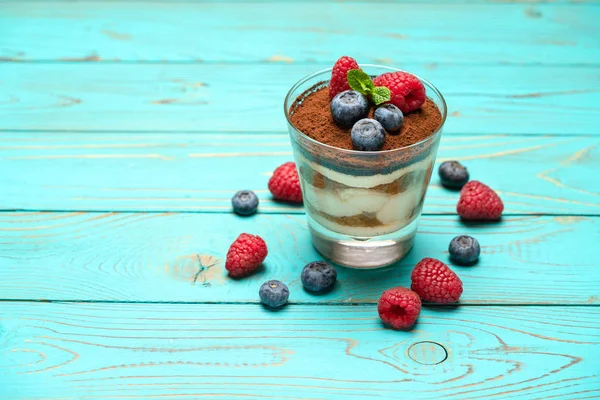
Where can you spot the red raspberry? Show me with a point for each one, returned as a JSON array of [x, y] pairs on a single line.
[[399, 307], [435, 282], [408, 92], [245, 255], [479, 202], [285, 184], [339, 75]]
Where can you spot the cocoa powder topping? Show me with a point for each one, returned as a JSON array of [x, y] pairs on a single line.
[[311, 116]]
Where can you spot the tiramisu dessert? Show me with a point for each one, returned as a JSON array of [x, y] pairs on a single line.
[[365, 143]]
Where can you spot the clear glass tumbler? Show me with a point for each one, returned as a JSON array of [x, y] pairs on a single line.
[[362, 207]]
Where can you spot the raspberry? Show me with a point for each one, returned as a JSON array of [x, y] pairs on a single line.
[[399, 307], [245, 255], [408, 92], [435, 282], [479, 202], [285, 184], [339, 75]]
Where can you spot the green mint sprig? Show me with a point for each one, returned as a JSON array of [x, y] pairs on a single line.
[[362, 83]]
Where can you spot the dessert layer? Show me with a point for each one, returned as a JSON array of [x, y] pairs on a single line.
[[394, 177], [358, 226], [364, 202], [399, 185], [311, 116]]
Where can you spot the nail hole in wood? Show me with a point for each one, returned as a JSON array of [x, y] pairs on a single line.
[[427, 353]]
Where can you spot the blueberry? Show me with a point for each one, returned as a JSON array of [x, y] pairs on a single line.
[[244, 202], [348, 107], [318, 276], [464, 250], [390, 117], [453, 174], [367, 135], [274, 293]]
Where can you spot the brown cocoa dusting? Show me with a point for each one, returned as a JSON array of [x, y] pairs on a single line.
[[312, 117], [362, 220]]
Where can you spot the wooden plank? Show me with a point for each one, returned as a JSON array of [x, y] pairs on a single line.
[[297, 31], [482, 99], [532, 2], [200, 172], [180, 257], [91, 351]]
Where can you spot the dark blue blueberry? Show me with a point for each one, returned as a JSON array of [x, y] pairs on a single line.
[[390, 117], [244, 202], [453, 175], [367, 135], [464, 250], [318, 276], [274, 293], [348, 107]]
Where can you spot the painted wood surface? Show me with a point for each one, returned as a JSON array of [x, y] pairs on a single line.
[[291, 31], [105, 351], [532, 2], [200, 172], [496, 99], [125, 109], [167, 257]]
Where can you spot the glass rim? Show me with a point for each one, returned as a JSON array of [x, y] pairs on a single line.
[[432, 137]]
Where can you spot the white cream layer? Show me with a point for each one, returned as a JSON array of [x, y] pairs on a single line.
[[349, 202], [364, 181]]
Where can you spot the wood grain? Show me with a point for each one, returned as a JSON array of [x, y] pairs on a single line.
[[180, 257], [300, 32], [200, 172], [146, 351], [162, 105], [249, 97]]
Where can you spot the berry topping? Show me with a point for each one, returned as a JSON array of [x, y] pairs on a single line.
[[285, 184], [407, 91], [390, 117], [339, 75], [318, 276], [399, 307], [348, 107], [464, 250], [479, 202], [274, 293], [435, 282], [453, 174], [244, 202], [367, 135], [245, 255]]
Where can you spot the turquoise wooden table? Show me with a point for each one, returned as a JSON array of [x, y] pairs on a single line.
[[125, 128]]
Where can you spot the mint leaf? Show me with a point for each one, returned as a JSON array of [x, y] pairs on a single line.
[[360, 81], [380, 94]]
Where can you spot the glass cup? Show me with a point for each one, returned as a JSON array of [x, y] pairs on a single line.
[[363, 207]]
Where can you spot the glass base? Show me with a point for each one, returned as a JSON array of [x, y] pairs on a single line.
[[362, 252]]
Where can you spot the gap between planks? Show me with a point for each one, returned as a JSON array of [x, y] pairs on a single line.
[[292, 303], [323, 63], [275, 211]]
